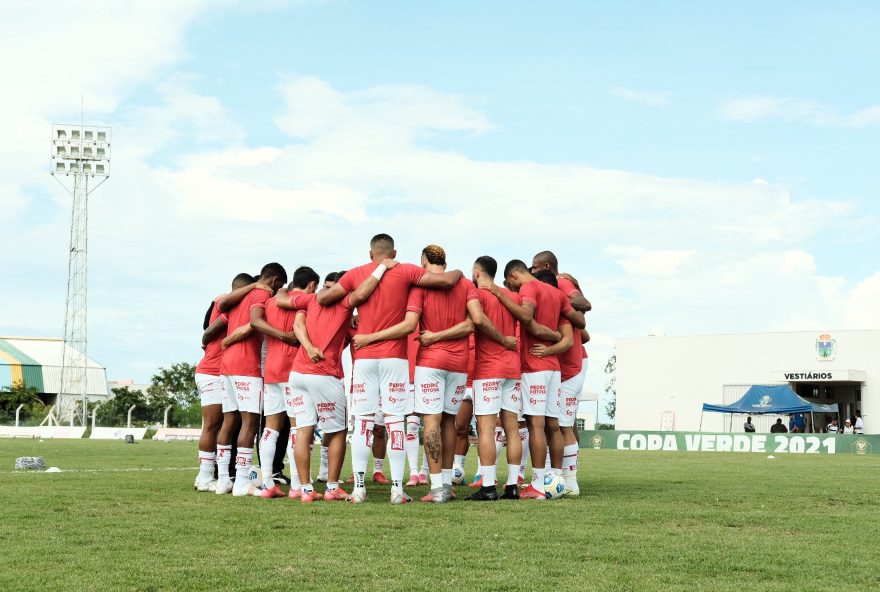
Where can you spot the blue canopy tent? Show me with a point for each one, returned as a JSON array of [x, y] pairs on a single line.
[[776, 400]]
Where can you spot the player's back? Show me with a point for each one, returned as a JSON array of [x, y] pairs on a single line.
[[549, 302], [279, 355], [243, 358], [493, 360], [441, 310], [327, 327]]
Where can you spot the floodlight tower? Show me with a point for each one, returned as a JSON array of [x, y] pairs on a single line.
[[79, 153]]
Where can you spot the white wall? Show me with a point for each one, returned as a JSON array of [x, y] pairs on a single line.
[[657, 374]]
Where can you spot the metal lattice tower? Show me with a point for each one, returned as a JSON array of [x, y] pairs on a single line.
[[79, 153]]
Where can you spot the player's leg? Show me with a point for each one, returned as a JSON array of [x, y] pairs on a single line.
[[487, 404], [333, 421], [570, 391], [535, 387], [411, 445], [524, 446], [510, 423], [211, 399], [379, 449], [364, 406], [462, 444], [295, 485], [396, 405], [552, 414], [226, 436], [249, 390], [325, 459], [274, 413], [304, 404], [454, 391], [281, 451], [429, 404]]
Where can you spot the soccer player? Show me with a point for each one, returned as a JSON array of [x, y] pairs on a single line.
[[208, 377], [243, 381], [413, 421], [497, 386], [317, 374], [569, 286], [463, 420], [545, 305], [380, 370]]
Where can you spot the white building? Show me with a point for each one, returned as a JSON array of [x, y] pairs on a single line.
[[662, 382]]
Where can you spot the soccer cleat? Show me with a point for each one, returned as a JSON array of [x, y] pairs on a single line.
[[223, 486], [477, 482], [294, 493], [530, 492], [448, 492], [511, 492], [350, 479], [243, 489], [271, 492], [437, 496], [380, 479], [520, 480], [413, 480], [309, 497], [358, 495], [338, 494], [429, 497], [322, 478], [209, 484], [423, 479], [485, 494], [571, 490], [399, 497], [281, 479]]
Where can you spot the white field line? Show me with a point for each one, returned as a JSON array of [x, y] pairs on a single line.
[[21, 472]]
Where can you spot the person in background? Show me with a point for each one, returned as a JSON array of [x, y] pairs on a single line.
[[848, 427], [797, 424], [832, 427], [859, 426], [748, 426], [778, 427]]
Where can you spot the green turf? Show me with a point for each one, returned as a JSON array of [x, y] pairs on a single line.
[[645, 521]]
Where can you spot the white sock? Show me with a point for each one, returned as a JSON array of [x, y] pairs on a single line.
[[512, 474], [325, 463], [538, 479], [243, 464], [394, 426], [361, 444], [570, 457], [378, 464], [425, 469], [224, 458], [267, 453], [488, 474], [524, 438], [447, 476], [458, 463], [547, 461], [436, 480], [571, 478], [308, 488], [206, 464], [499, 441], [333, 486], [412, 443], [294, 474]]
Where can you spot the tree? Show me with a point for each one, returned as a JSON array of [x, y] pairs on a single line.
[[115, 411], [19, 394], [175, 386], [611, 385]]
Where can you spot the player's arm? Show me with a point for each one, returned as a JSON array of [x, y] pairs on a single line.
[[259, 323], [585, 336], [214, 331], [539, 350], [462, 329], [575, 317], [523, 313], [368, 286], [578, 301], [331, 296], [485, 326], [440, 281], [542, 332], [283, 299], [229, 301], [402, 329], [239, 334], [302, 334]]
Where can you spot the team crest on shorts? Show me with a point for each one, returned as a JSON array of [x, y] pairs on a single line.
[[826, 348]]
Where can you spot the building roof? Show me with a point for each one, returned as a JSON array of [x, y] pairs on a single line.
[[36, 361]]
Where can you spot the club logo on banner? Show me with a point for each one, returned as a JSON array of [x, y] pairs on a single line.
[[826, 348], [861, 446], [597, 441]]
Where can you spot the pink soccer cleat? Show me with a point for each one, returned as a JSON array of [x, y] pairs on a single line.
[[271, 492], [477, 483], [423, 479], [309, 497], [380, 478], [529, 492], [332, 495], [413, 480], [295, 493]]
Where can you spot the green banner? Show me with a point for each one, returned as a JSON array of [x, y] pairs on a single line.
[[713, 442]]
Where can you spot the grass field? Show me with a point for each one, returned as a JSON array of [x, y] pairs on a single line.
[[644, 521]]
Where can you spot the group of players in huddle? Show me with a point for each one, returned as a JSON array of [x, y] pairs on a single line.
[[429, 349]]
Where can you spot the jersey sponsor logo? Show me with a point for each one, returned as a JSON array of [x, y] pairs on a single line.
[[287, 391], [537, 389], [358, 387], [359, 401], [326, 407], [571, 401], [533, 400], [298, 401], [430, 387], [491, 385], [242, 385], [459, 390], [397, 387], [429, 400]]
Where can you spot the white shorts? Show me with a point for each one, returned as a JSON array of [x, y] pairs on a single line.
[[540, 391], [210, 389], [468, 393], [318, 400], [242, 393], [379, 419], [380, 385], [569, 397], [275, 397], [439, 391], [491, 395]]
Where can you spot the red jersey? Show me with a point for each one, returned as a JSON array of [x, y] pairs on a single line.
[[279, 355], [550, 303], [243, 358], [472, 360], [441, 310], [412, 351], [328, 330], [493, 360], [567, 286], [210, 363], [385, 308], [571, 361]]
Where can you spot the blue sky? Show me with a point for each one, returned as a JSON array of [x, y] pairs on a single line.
[[700, 166]]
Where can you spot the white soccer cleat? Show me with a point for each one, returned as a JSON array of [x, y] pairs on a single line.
[[571, 490], [243, 489], [399, 497], [224, 486], [358, 495], [209, 484]]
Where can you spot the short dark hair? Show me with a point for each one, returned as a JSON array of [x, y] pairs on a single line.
[[333, 276], [243, 279], [382, 242], [303, 276], [515, 265], [434, 254], [274, 270], [487, 264], [548, 257], [547, 276]]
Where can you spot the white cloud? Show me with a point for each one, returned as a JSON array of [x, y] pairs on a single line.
[[640, 261], [646, 97], [752, 109]]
